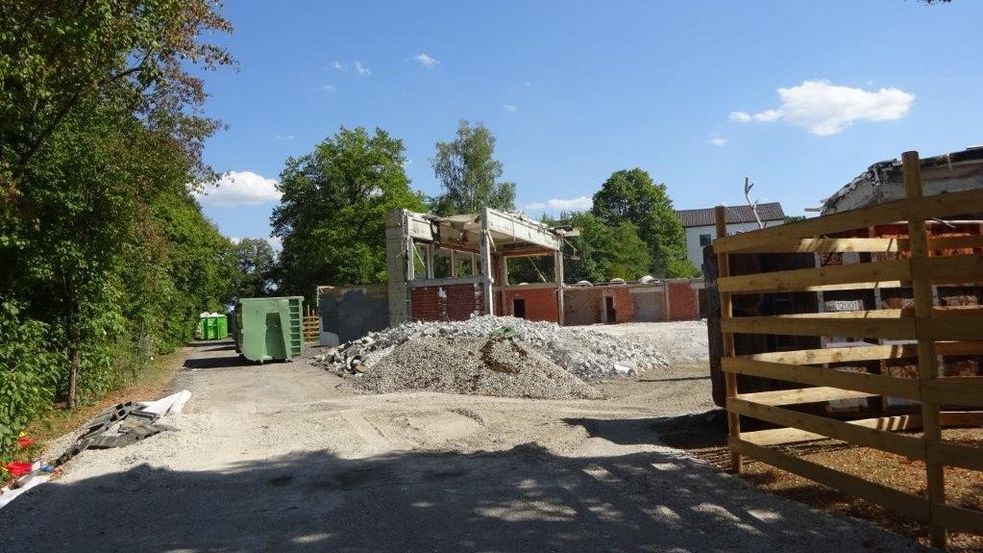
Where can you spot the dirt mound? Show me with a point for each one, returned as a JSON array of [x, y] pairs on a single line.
[[503, 367]]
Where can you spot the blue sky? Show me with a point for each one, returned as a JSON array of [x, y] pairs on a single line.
[[800, 96]]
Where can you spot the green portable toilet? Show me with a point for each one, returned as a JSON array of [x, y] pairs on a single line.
[[212, 326], [269, 329], [223, 327]]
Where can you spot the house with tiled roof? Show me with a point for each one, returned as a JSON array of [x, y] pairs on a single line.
[[700, 224]]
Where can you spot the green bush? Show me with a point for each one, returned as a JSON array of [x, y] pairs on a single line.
[[29, 373]]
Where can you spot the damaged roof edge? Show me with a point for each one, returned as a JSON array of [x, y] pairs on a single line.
[[884, 181], [517, 226]]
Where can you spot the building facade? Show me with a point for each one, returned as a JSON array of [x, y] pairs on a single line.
[[700, 225]]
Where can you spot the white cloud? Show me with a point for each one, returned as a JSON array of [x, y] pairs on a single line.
[[826, 109], [276, 243], [510, 108], [718, 141], [283, 137], [361, 69], [339, 66], [768, 115], [328, 87], [239, 188], [426, 61], [559, 204]]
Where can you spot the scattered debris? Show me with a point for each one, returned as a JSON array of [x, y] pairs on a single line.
[[122, 425]]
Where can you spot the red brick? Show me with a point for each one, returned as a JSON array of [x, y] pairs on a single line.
[[683, 301], [540, 303]]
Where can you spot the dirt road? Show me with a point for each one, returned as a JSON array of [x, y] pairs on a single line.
[[282, 457]]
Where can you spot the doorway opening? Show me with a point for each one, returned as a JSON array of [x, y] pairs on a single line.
[[519, 308], [610, 315]]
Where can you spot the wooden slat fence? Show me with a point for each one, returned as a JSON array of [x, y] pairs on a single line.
[[931, 331]]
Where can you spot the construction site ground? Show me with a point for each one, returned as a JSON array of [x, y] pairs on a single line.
[[286, 457]]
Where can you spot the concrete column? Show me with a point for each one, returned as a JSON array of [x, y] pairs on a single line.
[[558, 275], [484, 253], [399, 265]]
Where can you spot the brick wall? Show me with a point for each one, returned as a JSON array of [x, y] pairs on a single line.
[[624, 304], [445, 303], [540, 303], [584, 306], [683, 300]]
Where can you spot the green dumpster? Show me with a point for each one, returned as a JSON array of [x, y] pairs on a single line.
[[212, 326], [269, 329]]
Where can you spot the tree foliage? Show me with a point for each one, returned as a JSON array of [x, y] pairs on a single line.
[[631, 196], [105, 258], [331, 216], [469, 173], [255, 264], [604, 252]]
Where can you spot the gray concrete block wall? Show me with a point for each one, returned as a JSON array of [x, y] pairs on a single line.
[[351, 313]]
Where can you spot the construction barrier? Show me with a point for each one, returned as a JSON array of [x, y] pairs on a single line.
[[925, 331]]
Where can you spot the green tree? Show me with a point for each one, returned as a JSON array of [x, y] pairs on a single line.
[[469, 173], [631, 196], [99, 128], [331, 216], [604, 252], [254, 271]]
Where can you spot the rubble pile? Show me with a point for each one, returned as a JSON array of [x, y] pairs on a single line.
[[416, 350], [496, 366]]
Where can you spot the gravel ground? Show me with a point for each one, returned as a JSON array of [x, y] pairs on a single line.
[[283, 457]]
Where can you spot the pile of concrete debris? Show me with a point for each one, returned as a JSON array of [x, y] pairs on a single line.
[[445, 356]]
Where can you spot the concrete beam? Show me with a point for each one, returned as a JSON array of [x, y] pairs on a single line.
[[519, 229]]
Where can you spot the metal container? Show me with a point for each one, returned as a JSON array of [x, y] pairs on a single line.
[[269, 329]]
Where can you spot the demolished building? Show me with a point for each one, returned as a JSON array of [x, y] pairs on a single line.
[[474, 251]]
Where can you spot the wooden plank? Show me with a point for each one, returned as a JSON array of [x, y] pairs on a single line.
[[780, 436], [817, 278], [949, 268], [863, 245], [961, 418], [968, 326], [954, 390], [906, 388], [726, 313], [802, 395], [838, 355], [928, 361], [941, 205], [957, 518], [820, 325], [828, 245], [908, 446], [895, 423], [955, 242], [901, 502], [958, 455]]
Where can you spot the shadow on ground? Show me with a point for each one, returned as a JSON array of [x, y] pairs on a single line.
[[521, 500]]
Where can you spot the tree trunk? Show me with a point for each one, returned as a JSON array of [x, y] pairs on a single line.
[[74, 340]]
